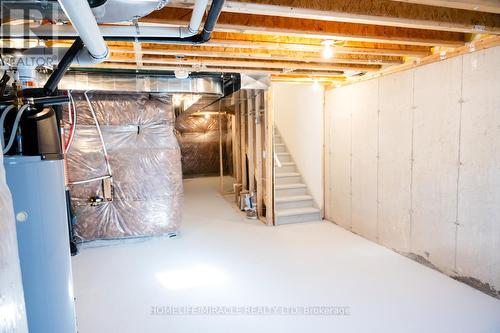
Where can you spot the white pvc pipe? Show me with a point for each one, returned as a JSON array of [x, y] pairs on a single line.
[[108, 31], [82, 18], [197, 16], [113, 30]]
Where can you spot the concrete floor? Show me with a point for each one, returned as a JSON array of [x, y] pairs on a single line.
[[222, 259]]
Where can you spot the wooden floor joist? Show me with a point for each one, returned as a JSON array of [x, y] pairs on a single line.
[[244, 63], [243, 53], [271, 25], [377, 12], [481, 44], [282, 43], [488, 6], [287, 38]]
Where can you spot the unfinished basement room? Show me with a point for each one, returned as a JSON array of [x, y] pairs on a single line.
[[250, 166]]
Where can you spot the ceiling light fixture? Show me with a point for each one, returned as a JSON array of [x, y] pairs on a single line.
[[315, 84], [181, 73], [328, 48]]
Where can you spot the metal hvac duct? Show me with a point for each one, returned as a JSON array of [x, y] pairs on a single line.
[[139, 83], [189, 34], [105, 11]]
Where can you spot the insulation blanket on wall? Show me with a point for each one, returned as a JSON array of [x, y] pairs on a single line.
[[199, 140], [138, 130]]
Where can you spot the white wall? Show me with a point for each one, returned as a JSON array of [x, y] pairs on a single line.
[[298, 115], [414, 163]]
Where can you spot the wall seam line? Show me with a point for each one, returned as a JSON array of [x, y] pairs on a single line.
[[412, 156], [378, 160], [459, 162], [350, 172]]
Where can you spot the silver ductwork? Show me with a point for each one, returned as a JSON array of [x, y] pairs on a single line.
[[138, 83], [111, 11]]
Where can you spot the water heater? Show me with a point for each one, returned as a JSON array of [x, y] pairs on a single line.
[[38, 193]]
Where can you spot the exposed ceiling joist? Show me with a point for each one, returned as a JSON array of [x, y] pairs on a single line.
[[489, 6], [484, 43], [235, 53], [208, 50], [245, 54], [333, 75], [376, 12], [398, 52], [202, 62], [288, 43], [260, 24], [293, 43]]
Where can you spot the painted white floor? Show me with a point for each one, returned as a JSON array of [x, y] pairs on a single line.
[[222, 259]]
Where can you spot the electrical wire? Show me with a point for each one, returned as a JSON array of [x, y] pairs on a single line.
[[89, 180], [72, 117], [14, 128], [106, 157], [2, 120]]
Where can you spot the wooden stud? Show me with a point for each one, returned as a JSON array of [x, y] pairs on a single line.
[[236, 144], [221, 158], [243, 141], [258, 153], [270, 181], [250, 140]]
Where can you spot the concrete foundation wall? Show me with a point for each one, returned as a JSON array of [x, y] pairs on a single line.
[[414, 165]]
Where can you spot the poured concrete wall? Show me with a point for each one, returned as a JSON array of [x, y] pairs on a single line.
[[298, 115], [414, 164]]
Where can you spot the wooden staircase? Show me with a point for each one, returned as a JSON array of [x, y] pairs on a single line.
[[293, 203]]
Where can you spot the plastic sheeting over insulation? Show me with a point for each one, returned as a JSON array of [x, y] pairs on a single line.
[[199, 139], [138, 130]]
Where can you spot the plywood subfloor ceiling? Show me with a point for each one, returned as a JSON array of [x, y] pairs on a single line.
[[286, 38]]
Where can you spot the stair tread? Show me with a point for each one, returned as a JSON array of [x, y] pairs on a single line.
[[293, 198], [287, 174], [296, 211], [287, 163], [283, 153], [290, 186]]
